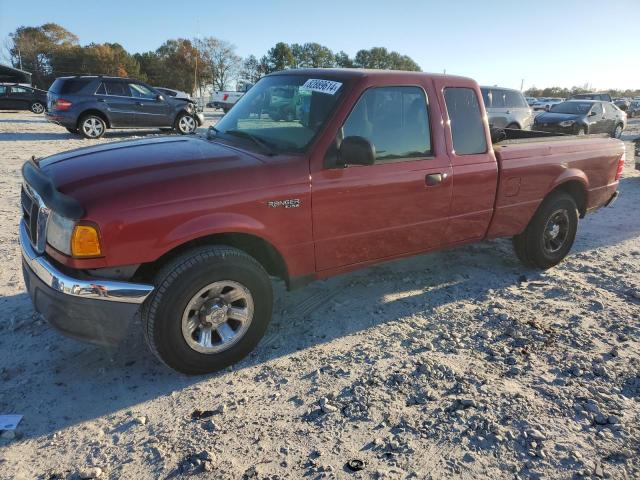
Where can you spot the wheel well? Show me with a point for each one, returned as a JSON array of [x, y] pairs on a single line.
[[98, 113], [577, 191], [265, 253], [514, 125]]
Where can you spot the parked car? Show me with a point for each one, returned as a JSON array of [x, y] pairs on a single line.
[[173, 93], [636, 142], [546, 103], [90, 104], [622, 104], [20, 97], [188, 231], [506, 108], [634, 109], [531, 100], [581, 117], [605, 97]]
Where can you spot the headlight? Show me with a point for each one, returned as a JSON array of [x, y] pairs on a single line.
[[566, 123], [59, 231]]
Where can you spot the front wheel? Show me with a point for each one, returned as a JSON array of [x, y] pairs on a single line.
[[37, 107], [210, 308], [550, 233], [185, 124]]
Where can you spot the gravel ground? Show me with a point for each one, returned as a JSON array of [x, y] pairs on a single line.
[[461, 364]]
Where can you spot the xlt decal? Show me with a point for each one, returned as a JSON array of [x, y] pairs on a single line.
[[288, 203]]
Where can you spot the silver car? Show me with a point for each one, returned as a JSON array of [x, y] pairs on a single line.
[[507, 108]]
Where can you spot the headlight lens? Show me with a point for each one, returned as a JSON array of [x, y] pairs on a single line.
[[567, 123], [59, 231]]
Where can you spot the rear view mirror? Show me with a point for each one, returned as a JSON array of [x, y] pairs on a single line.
[[357, 151]]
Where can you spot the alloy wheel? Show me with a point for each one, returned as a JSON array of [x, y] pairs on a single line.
[[556, 231], [93, 127], [217, 316], [37, 108], [187, 124]]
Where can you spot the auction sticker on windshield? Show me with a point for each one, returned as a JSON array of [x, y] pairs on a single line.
[[322, 86]]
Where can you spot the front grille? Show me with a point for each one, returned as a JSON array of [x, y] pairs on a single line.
[[35, 215]]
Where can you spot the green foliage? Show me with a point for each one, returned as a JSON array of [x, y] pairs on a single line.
[[50, 51], [381, 58]]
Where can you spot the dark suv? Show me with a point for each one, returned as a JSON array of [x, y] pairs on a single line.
[[90, 104], [20, 97]]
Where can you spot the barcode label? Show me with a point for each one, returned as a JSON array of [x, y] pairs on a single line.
[[322, 86]]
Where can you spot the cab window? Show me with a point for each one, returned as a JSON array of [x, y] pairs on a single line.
[[115, 87], [395, 120], [467, 127], [3, 89], [15, 90]]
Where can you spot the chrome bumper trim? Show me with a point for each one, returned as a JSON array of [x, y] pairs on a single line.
[[97, 289]]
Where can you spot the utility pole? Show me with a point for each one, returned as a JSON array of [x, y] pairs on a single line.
[[20, 58], [521, 84]]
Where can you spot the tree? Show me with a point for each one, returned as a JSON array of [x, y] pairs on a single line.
[[381, 58], [179, 59], [280, 57], [32, 48], [251, 70], [313, 55], [220, 57], [98, 59], [342, 60]]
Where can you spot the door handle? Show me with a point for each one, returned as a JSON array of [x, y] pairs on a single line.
[[101, 100], [140, 104], [434, 179]]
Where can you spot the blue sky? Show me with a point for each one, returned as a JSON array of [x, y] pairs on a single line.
[[561, 42]]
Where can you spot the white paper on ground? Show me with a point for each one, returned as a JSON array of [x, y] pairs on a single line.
[[9, 422]]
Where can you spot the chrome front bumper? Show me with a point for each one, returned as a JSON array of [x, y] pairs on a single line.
[[94, 310], [108, 290]]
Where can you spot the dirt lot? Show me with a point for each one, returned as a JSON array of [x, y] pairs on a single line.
[[460, 364]]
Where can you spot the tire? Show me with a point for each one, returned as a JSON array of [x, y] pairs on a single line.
[[91, 126], [513, 126], [169, 314], [581, 131], [225, 110], [37, 107], [185, 124], [72, 130], [536, 246], [617, 131]]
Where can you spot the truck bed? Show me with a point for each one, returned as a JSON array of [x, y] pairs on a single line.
[[532, 167]]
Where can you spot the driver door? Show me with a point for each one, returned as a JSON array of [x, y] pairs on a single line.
[[396, 206], [150, 112]]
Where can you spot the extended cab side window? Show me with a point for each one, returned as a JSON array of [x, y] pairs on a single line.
[[394, 119], [467, 127], [3, 89]]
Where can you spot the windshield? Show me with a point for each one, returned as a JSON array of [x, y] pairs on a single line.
[[576, 108], [284, 112]]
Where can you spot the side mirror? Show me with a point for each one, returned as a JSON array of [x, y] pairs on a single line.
[[159, 98], [592, 114], [357, 151]]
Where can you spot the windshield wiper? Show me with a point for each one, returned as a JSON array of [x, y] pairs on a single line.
[[259, 142]]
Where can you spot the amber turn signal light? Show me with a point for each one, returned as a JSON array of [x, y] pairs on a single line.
[[85, 241]]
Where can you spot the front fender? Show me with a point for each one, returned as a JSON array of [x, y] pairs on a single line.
[[212, 224]]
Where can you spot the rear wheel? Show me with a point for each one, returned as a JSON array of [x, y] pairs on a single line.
[[617, 132], [550, 233], [37, 107], [210, 308], [513, 126], [185, 124], [581, 131], [92, 126]]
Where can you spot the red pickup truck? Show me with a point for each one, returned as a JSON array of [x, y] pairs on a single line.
[[368, 166]]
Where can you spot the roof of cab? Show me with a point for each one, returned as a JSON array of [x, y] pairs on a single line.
[[347, 73]]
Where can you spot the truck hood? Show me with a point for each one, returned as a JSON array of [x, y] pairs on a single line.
[[128, 169]]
